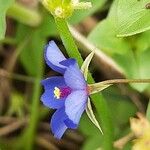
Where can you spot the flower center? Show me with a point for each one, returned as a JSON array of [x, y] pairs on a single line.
[[59, 11], [61, 92]]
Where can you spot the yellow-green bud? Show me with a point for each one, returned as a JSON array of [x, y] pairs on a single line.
[[64, 8], [58, 9]]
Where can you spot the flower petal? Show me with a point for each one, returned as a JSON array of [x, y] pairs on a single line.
[[75, 104], [53, 56], [70, 124], [74, 78], [58, 126], [48, 98], [68, 62]]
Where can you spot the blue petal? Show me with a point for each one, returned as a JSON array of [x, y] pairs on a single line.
[[74, 78], [58, 126], [48, 98], [68, 62], [69, 123], [53, 56], [75, 105]]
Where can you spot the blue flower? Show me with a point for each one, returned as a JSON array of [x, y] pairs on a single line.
[[67, 94]]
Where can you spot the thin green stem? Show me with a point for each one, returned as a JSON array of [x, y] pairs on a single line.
[[116, 81], [97, 99], [30, 132], [68, 40], [34, 117]]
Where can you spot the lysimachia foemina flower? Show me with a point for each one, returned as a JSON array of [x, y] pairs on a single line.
[[68, 94]]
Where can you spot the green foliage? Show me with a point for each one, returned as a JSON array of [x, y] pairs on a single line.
[[121, 110], [24, 15], [31, 54], [104, 37], [123, 50], [4, 5], [132, 17]]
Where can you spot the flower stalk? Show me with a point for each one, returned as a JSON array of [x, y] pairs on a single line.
[[115, 81], [97, 87], [68, 40]]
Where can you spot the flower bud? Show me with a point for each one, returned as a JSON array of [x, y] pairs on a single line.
[[64, 8]]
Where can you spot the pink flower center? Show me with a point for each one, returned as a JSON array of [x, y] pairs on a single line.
[[61, 92]]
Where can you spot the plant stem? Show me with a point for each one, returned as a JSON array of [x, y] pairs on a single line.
[[68, 40], [98, 100], [24, 15], [115, 81], [30, 132], [34, 117]]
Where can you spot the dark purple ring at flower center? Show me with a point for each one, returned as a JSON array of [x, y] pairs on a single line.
[[61, 92]]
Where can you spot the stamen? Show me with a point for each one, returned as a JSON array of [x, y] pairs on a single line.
[[61, 92], [57, 93]]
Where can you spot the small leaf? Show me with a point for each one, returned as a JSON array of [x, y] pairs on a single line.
[[104, 37], [91, 115], [85, 65], [97, 87]]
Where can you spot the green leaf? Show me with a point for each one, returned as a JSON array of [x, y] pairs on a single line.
[[143, 67], [93, 143], [124, 51], [79, 15], [132, 17], [91, 115], [143, 41], [104, 37], [4, 5], [31, 55], [90, 130]]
